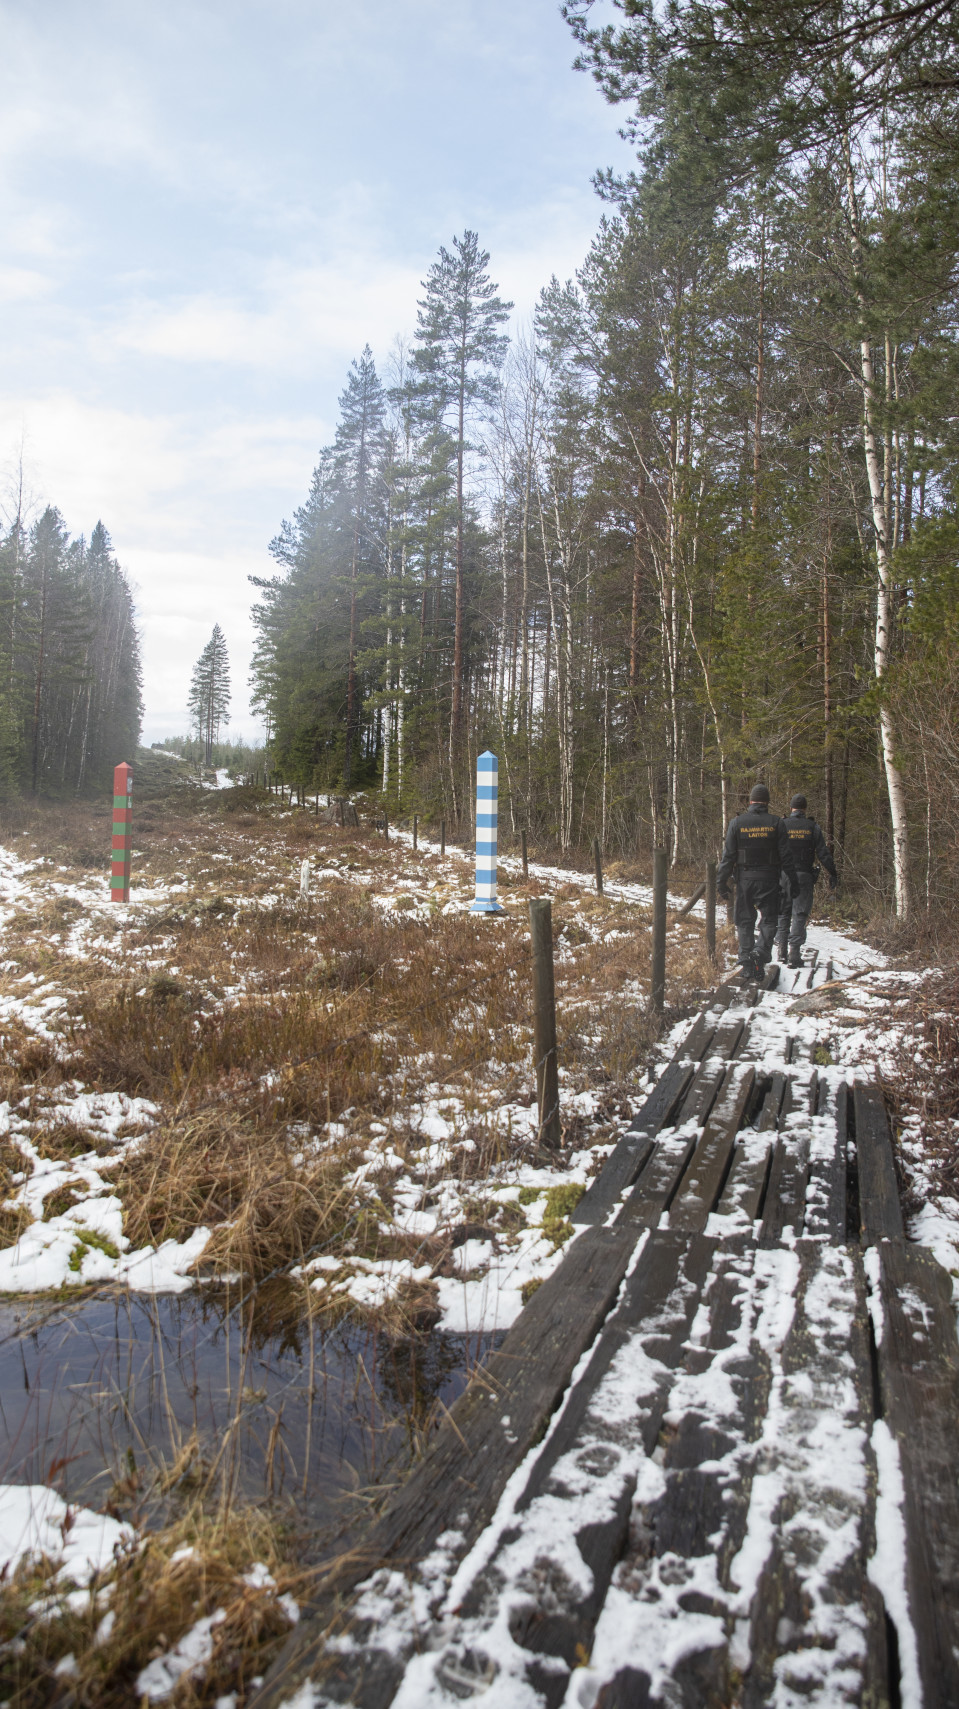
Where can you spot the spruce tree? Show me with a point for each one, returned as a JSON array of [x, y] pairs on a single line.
[[209, 697]]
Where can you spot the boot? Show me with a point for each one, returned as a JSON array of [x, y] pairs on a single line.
[[795, 958], [782, 948]]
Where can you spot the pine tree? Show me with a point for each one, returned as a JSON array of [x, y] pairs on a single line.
[[460, 351], [209, 697]]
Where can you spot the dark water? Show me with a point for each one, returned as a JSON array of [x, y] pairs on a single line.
[[124, 1398]]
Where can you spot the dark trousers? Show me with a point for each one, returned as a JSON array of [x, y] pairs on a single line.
[[757, 892], [794, 914]]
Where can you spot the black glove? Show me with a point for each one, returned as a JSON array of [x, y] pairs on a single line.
[[722, 891], [793, 889], [833, 882]]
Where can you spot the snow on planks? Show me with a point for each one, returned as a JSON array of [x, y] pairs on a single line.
[[713, 1461]]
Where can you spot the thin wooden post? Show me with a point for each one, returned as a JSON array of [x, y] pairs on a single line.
[[525, 855], [120, 853], [386, 827], [416, 822], [544, 1023], [658, 990], [711, 909], [304, 881], [442, 839], [598, 865]]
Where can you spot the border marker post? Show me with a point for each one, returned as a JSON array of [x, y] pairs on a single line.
[[487, 792], [120, 855]]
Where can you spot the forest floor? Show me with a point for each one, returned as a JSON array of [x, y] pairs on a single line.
[[277, 1113]]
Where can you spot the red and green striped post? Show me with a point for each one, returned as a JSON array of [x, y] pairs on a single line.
[[120, 870]]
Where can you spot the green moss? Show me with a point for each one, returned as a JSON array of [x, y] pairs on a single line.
[[527, 1195], [529, 1288], [822, 1056], [561, 1201], [87, 1238]]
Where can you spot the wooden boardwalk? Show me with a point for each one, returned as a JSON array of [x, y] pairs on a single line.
[[714, 1462]]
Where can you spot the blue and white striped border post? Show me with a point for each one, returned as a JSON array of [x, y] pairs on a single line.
[[487, 788]]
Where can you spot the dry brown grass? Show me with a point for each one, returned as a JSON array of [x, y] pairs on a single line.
[[925, 1083], [216, 1171], [155, 1599]]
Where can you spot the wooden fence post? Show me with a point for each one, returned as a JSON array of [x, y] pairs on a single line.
[[711, 909], [416, 826], [658, 991], [386, 827], [304, 881], [120, 854], [598, 865], [442, 839], [544, 1023], [525, 855]]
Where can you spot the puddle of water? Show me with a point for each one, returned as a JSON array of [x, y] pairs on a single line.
[[94, 1396]]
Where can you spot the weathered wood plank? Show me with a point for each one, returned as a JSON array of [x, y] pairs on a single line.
[[702, 1183], [826, 1186], [654, 1191], [785, 1203], [680, 1543], [701, 1095], [880, 1213], [630, 1155], [918, 1367], [486, 1434], [813, 1598], [593, 1444]]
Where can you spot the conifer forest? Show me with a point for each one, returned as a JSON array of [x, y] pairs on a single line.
[[70, 700], [695, 524]]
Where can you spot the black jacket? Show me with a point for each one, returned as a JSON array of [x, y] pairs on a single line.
[[808, 844], [757, 842]]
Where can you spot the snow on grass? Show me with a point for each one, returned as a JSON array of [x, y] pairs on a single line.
[[36, 1524]]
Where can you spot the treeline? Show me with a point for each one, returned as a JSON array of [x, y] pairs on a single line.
[[699, 523], [70, 701]]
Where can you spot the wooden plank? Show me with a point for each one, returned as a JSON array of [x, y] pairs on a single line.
[[785, 1202], [823, 1532], [701, 1095], [701, 1514], [729, 1037], [486, 1434], [654, 1191], [703, 1181], [745, 1189], [826, 1187], [745, 1186], [918, 1366], [630, 1155], [880, 1213], [649, 1329]]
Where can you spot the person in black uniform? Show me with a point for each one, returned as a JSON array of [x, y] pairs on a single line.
[[808, 846], [758, 850]]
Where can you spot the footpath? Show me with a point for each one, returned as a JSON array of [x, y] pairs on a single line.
[[713, 1461]]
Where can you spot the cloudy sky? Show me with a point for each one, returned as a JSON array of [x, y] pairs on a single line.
[[207, 209]]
